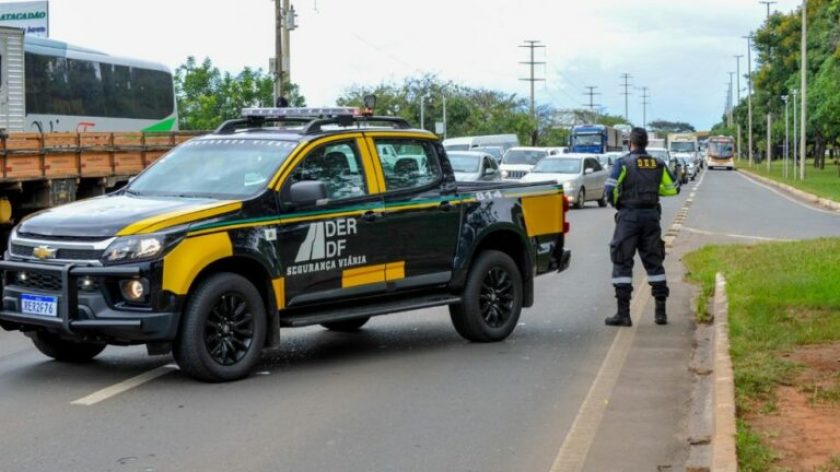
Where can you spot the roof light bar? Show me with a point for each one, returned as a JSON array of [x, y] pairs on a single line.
[[299, 112]]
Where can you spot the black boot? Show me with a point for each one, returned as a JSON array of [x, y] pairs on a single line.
[[660, 317], [622, 317]]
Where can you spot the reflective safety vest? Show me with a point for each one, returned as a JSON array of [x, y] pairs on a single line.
[[643, 176]]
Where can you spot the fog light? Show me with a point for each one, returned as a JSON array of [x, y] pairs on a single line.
[[87, 284], [22, 277], [134, 290]]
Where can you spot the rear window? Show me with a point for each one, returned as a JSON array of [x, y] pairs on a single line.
[[523, 157]]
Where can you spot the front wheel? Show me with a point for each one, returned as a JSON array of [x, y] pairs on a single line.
[[223, 329], [491, 301], [63, 350], [581, 199], [602, 202]]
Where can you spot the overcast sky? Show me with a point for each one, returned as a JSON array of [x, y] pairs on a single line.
[[681, 49]]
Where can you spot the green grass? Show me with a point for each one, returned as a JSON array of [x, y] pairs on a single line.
[[825, 183], [781, 295], [753, 453]]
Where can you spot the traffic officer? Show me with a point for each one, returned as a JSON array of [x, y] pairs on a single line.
[[634, 187]]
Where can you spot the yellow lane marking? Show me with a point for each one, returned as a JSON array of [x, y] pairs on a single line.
[[124, 386]]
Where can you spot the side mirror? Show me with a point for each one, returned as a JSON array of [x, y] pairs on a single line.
[[588, 171], [307, 192]]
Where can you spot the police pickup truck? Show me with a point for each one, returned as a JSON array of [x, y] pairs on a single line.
[[283, 218]]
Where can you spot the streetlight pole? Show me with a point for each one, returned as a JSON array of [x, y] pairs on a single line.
[[787, 141], [444, 116], [423, 111], [749, 99], [795, 92], [804, 103], [738, 94]]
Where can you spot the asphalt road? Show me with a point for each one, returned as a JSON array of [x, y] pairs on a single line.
[[404, 394]]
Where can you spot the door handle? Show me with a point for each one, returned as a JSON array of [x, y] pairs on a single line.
[[445, 206]]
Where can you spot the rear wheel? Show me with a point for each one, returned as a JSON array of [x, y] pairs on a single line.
[[223, 329], [581, 199], [346, 326], [492, 299], [63, 350]]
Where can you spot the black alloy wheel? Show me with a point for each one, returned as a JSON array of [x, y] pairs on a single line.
[[496, 299], [229, 329]]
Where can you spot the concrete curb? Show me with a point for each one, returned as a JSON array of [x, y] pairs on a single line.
[[808, 197], [724, 457]]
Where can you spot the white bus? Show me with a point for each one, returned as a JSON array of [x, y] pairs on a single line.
[[51, 86]]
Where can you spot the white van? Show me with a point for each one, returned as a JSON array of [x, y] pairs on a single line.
[[505, 141]]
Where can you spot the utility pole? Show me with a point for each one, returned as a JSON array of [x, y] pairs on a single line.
[[804, 85], [591, 93], [749, 99], [785, 99], [284, 23], [795, 92], [645, 103], [730, 100], [444, 115], [626, 94], [738, 93], [768, 6], [532, 45], [423, 111]]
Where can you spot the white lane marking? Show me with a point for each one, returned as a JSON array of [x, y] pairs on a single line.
[[575, 448], [788, 197], [731, 235], [124, 386]]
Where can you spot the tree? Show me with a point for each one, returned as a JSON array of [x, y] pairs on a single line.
[[207, 97], [664, 126]]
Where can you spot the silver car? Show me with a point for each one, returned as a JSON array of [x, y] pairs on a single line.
[[470, 166], [582, 176]]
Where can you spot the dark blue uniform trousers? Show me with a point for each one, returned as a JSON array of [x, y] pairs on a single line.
[[638, 230]]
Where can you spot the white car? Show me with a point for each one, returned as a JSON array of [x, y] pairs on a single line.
[[518, 162], [582, 176], [474, 166]]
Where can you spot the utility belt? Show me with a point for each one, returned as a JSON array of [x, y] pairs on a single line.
[[639, 206]]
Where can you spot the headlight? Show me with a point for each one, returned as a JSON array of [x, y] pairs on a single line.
[[567, 185], [505, 174], [133, 248]]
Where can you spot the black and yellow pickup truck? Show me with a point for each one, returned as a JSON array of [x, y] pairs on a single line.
[[284, 218]]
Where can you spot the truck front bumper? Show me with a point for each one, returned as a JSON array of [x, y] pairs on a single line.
[[84, 315]]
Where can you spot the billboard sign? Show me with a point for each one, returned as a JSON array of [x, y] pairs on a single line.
[[32, 17]]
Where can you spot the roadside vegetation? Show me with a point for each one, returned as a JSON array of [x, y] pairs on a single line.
[[777, 44], [822, 182], [784, 300]]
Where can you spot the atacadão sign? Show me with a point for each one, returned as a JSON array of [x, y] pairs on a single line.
[[32, 17]]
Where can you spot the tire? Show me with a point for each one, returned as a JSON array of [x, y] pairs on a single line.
[[581, 198], [493, 274], [602, 202], [346, 326], [223, 329], [63, 350]]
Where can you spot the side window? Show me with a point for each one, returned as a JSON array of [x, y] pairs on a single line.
[[596, 165], [490, 163], [410, 163], [338, 166]]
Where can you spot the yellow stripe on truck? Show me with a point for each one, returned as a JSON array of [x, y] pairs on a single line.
[[165, 220], [543, 214], [372, 274], [280, 292], [183, 264]]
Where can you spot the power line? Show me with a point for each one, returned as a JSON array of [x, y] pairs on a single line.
[[626, 94], [767, 3]]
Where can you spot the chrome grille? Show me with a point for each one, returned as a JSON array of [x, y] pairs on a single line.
[[517, 174]]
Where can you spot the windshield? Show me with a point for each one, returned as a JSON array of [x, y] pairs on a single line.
[[518, 156], [660, 154], [457, 147], [683, 146], [592, 139], [214, 168], [558, 166], [464, 163], [721, 149]]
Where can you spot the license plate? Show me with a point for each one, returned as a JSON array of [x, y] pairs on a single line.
[[39, 305]]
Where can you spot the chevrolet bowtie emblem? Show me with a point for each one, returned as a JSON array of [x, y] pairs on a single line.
[[43, 252]]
